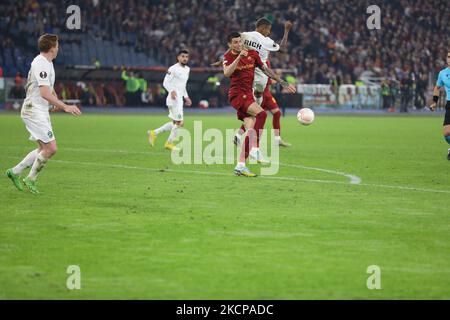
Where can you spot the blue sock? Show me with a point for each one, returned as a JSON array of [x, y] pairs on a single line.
[[447, 138]]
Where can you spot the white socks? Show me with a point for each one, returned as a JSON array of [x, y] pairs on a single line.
[[173, 134], [165, 127], [259, 100], [26, 162], [38, 164]]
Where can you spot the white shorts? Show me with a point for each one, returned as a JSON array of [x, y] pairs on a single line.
[[39, 129], [175, 108], [260, 81]]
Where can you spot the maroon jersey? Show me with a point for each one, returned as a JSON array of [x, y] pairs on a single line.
[[242, 77]]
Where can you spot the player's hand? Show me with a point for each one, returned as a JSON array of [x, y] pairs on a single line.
[[290, 88], [432, 106], [288, 25], [72, 109], [173, 95], [188, 101], [243, 53], [217, 64]]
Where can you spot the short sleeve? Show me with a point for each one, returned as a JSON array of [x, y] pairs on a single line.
[[270, 45], [440, 81], [42, 72], [170, 71]]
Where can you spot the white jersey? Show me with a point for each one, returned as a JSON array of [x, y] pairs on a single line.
[[41, 73], [176, 80], [263, 45]]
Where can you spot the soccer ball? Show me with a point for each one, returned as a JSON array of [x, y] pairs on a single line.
[[203, 104], [305, 116]]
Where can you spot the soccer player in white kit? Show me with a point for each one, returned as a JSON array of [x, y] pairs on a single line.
[[260, 41], [40, 99], [175, 83]]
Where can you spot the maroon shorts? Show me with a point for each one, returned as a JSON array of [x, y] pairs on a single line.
[[241, 102], [269, 102]]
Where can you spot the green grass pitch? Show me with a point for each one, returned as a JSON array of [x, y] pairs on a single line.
[[140, 227]]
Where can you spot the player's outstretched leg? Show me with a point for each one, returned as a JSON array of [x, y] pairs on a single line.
[[446, 130], [14, 173], [173, 134], [255, 153], [47, 150], [238, 136], [241, 169], [38, 165], [277, 127], [153, 134], [447, 138]]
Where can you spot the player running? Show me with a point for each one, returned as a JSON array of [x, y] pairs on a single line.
[[175, 84], [444, 81], [259, 41], [239, 65], [40, 98]]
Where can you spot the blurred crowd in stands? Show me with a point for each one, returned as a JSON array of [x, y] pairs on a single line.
[[329, 43]]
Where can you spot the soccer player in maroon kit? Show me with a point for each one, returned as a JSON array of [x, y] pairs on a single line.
[[240, 66]]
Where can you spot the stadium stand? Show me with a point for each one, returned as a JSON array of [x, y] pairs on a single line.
[[331, 47]]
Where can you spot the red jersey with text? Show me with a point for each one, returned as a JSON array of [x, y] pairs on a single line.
[[241, 81]]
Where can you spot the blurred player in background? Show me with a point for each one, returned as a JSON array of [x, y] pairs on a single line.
[[40, 98], [239, 65], [444, 81], [175, 84]]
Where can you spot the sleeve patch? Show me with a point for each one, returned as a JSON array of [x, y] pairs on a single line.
[[43, 75]]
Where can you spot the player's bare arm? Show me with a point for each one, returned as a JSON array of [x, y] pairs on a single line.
[[283, 43], [48, 95], [228, 70], [220, 62], [271, 74], [435, 98], [217, 63]]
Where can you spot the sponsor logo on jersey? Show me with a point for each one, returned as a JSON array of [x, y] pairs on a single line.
[[43, 74], [50, 134]]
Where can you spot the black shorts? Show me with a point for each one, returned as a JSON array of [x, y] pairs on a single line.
[[447, 114]]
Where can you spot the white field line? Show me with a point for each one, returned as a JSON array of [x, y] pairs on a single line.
[[215, 173], [353, 178]]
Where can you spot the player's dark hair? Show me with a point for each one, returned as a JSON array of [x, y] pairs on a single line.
[[263, 22], [183, 51], [47, 41], [233, 35]]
